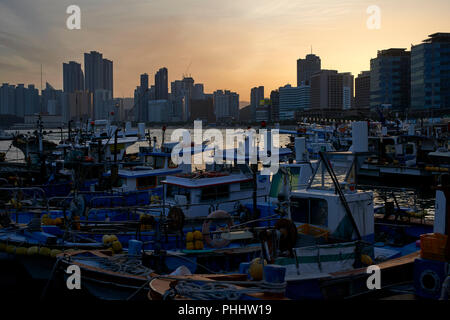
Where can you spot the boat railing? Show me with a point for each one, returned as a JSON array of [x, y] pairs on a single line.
[[110, 197], [60, 199], [34, 190]]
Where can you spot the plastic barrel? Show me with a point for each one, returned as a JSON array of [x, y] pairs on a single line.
[[274, 273], [134, 247]]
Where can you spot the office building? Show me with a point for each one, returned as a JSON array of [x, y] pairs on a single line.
[[73, 77], [256, 96], [306, 68], [162, 84], [430, 73], [292, 100], [390, 80], [362, 90]]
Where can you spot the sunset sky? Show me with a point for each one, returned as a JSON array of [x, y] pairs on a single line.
[[230, 44]]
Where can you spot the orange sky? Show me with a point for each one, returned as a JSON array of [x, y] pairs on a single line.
[[230, 44]]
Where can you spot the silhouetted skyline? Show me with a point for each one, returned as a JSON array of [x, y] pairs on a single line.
[[233, 45]]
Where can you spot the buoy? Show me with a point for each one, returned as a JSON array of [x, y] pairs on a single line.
[[198, 235], [113, 238], [10, 249], [256, 269], [198, 245], [367, 260], [107, 240], [44, 251], [190, 245], [21, 251], [189, 237], [55, 252], [116, 246], [33, 251]]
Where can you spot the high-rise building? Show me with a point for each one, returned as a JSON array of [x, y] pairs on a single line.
[[19, 105], [226, 105], [158, 110], [256, 96], [141, 97], [347, 87], [198, 93], [7, 99], [264, 111], [306, 68], [78, 105], [98, 72], [144, 82], [275, 100], [331, 90], [51, 99], [103, 104], [162, 84], [108, 83], [390, 79], [362, 90], [73, 78], [181, 95], [32, 103], [202, 109], [430, 73], [292, 100]]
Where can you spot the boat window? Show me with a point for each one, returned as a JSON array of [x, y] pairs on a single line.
[[409, 149], [159, 162], [215, 193], [172, 191], [247, 185], [311, 211], [146, 182]]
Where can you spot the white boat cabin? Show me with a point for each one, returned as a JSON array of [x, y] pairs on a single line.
[[202, 192]]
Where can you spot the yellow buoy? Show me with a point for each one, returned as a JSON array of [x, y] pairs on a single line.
[[54, 253], [33, 251], [106, 239], [113, 238], [189, 237], [21, 251], [190, 245], [367, 260], [256, 269], [198, 235], [44, 251], [10, 249], [116, 246], [198, 245]]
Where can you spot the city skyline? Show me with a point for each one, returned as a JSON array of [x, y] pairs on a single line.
[[222, 57]]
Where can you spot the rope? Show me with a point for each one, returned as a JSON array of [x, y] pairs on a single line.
[[121, 264], [220, 290]]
